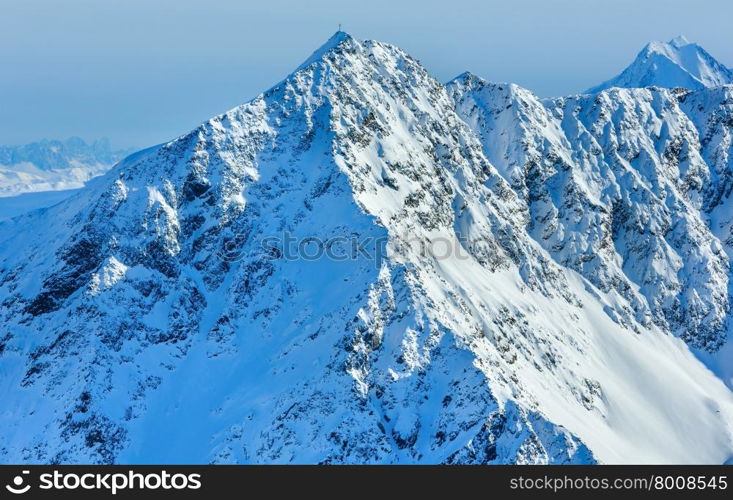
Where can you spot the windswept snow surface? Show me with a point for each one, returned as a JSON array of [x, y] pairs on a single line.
[[149, 324]]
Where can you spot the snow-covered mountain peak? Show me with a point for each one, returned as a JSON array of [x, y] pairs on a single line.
[[335, 41], [516, 279], [676, 63], [473, 82], [679, 41], [465, 78]]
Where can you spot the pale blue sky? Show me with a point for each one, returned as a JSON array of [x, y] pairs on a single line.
[[143, 71]]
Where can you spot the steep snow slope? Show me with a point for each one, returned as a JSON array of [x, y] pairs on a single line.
[[677, 63], [151, 324]]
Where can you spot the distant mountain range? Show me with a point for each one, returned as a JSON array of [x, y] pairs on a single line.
[[54, 165]]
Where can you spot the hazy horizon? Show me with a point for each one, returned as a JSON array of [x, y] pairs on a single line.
[[71, 71]]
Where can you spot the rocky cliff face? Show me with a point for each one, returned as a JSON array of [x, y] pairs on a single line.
[[620, 191], [362, 265]]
